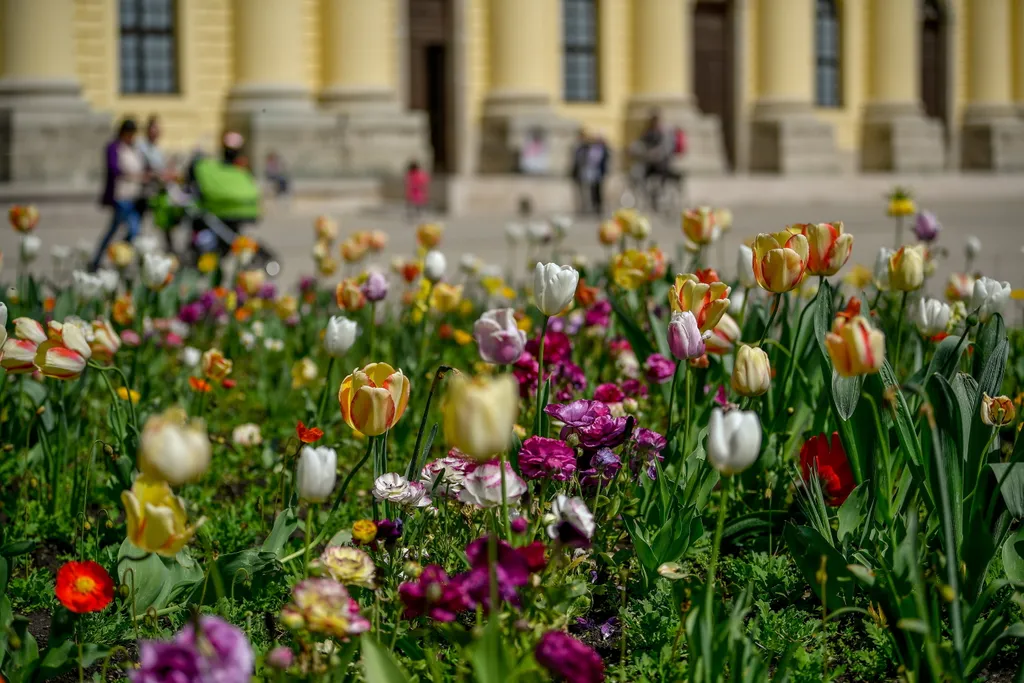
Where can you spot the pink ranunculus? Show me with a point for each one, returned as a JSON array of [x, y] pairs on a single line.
[[659, 369], [544, 458]]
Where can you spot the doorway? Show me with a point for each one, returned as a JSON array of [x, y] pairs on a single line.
[[713, 66], [430, 74], [934, 95]]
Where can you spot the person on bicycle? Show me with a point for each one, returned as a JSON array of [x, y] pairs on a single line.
[[658, 148]]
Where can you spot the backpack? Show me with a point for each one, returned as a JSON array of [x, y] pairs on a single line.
[[680, 145]]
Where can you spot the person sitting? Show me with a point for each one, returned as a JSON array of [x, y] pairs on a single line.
[[276, 174]]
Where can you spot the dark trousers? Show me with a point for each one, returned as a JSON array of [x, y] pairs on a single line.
[[597, 197], [125, 212]]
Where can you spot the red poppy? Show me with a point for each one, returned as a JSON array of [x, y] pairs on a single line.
[[84, 587], [830, 463], [308, 434], [229, 384], [199, 384]]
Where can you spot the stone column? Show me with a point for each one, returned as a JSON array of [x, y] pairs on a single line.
[[376, 134], [48, 133], [524, 49], [897, 136], [786, 136], [663, 82], [993, 135], [270, 103], [1018, 56]]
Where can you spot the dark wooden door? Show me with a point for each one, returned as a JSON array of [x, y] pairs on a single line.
[[430, 73], [713, 63], [933, 60]]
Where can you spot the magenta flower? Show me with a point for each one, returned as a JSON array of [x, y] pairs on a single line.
[[927, 226], [220, 653], [608, 393], [604, 465], [433, 594], [568, 378], [376, 287], [498, 337], [599, 315], [526, 371], [568, 659], [576, 415], [606, 432], [544, 458], [512, 571], [649, 441], [634, 388], [557, 347], [617, 347], [167, 663], [659, 369]]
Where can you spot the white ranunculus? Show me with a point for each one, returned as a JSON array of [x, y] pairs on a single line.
[[930, 316], [340, 335], [482, 486], [247, 435], [989, 297], [394, 488], [554, 287], [316, 473], [572, 523], [434, 265], [734, 440], [191, 356]]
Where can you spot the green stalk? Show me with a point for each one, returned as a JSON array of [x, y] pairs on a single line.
[[899, 335], [688, 397], [322, 403], [715, 551], [540, 371], [776, 304]]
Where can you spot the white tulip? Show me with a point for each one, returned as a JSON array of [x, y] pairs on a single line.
[[110, 278], [515, 232], [190, 356], [248, 340], [930, 316], [30, 246], [434, 265], [156, 268], [989, 297], [470, 264], [340, 335], [316, 473], [174, 448], [538, 231], [554, 287], [734, 440], [881, 272], [745, 267], [61, 255], [148, 244], [572, 522], [972, 246], [86, 286]]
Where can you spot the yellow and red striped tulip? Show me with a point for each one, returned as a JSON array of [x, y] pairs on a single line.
[[724, 337], [30, 330], [829, 247], [105, 341], [708, 302], [374, 398], [23, 217], [856, 348], [352, 250], [780, 260], [699, 225], [65, 354], [18, 356], [215, 365], [349, 295]]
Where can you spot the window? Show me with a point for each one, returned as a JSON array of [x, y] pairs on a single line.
[[579, 42], [149, 50], [828, 86]]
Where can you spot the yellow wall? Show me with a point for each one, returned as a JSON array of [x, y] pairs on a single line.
[[854, 27], [312, 44], [478, 59]]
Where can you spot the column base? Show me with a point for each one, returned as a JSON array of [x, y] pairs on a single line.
[[508, 121], [305, 139], [900, 138], [992, 139], [375, 135], [49, 133], [705, 142], [787, 138]]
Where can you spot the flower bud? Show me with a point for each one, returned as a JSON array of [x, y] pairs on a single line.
[[752, 374], [685, 339], [554, 287], [906, 269], [434, 265], [339, 336], [316, 473]]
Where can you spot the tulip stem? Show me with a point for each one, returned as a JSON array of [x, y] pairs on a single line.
[[504, 498], [310, 512], [688, 397], [743, 306], [413, 472], [899, 334], [540, 371], [672, 399], [322, 404], [899, 232], [715, 550], [372, 321], [776, 304]]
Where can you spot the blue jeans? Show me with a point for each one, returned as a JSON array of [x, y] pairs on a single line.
[[125, 211]]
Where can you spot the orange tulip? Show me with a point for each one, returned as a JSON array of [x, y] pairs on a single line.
[[374, 398], [699, 225]]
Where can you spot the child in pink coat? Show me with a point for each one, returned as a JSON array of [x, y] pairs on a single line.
[[417, 185]]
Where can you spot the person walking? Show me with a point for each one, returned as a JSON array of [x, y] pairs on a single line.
[[158, 169], [417, 190], [122, 188], [595, 168], [658, 148]]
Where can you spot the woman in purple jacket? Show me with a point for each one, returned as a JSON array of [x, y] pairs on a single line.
[[122, 189]]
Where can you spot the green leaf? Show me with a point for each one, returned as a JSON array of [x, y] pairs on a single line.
[[379, 665], [284, 525], [947, 357], [644, 551], [156, 579], [1013, 485], [1013, 559], [489, 657], [808, 548], [846, 393], [853, 511], [638, 339]]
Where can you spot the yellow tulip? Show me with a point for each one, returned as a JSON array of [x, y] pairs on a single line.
[[156, 518], [304, 373], [859, 276], [699, 225], [629, 269], [215, 365], [706, 301], [286, 306], [479, 414], [855, 347], [121, 253], [207, 263], [251, 281], [906, 269], [445, 298], [752, 375], [428, 235], [374, 398], [780, 260]]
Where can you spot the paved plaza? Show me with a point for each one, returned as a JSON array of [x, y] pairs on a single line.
[[993, 211]]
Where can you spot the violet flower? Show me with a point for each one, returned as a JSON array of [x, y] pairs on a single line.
[[658, 369], [599, 315], [609, 392], [604, 465], [576, 415], [219, 654], [433, 594], [607, 432], [927, 226], [568, 659], [634, 388], [544, 458]]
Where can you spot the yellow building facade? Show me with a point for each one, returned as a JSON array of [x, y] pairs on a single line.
[[356, 87]]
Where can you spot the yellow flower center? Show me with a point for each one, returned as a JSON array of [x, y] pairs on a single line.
[[85, 584]]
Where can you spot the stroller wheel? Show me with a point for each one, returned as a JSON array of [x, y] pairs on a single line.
[[273, 268]]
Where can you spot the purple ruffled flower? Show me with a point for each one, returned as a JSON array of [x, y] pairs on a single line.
[[609, 392], [220, 654], [659, 369], [544, 458], [604, 465], [388, 530], [634, 388], [576, 415], [649, 441], [433, 594], [599, 315], [606, 432], [568, 659], [191, 313]]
